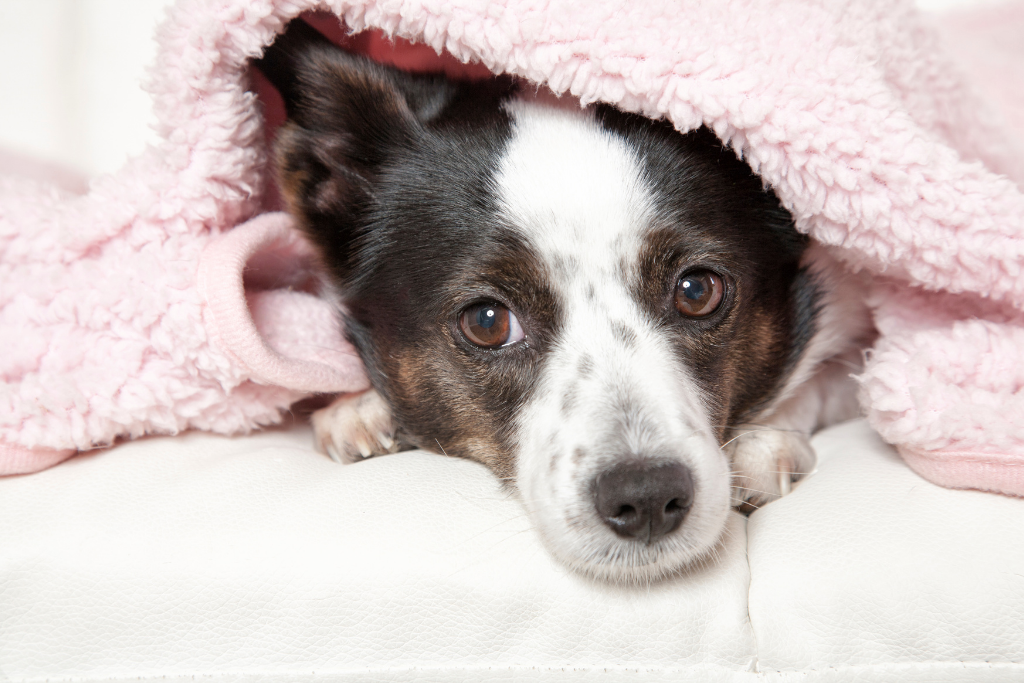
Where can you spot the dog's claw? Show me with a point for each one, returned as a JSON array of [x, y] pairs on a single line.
[[386, 441], [767, 461], [785, 481], [355, 427]]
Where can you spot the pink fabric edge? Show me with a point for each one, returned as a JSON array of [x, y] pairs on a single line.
[[20, 460], [228, 319], [994, 472]]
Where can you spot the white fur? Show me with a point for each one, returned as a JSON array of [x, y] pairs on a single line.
[[577, 194], [355, 426]]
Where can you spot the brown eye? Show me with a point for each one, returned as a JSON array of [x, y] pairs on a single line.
[[699, 293], [490, 325]]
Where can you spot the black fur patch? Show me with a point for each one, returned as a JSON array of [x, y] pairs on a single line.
[[714, 213], [391, 175]]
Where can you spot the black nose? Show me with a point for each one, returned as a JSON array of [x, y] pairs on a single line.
[[644, 501]]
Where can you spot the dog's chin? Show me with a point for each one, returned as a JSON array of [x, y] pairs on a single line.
[[588, 547], [634, 563]]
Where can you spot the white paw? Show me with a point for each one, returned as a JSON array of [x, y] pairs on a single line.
[[355, 426], [766, 462]]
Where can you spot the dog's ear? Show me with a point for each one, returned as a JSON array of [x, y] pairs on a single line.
[[347, 116]]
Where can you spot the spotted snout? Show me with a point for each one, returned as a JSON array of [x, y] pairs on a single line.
[[644, 501]]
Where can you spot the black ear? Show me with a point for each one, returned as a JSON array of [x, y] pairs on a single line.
[[316, 77], [347, 116]]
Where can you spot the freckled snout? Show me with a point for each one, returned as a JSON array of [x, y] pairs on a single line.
[[644, 501]]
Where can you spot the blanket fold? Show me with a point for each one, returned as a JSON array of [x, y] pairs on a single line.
[[129, 309]]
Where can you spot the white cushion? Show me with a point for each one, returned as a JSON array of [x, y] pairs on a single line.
[[866, 567], [256, 559]]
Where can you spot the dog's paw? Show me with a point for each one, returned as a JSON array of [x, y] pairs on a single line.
[[766, 462], [355, 426]]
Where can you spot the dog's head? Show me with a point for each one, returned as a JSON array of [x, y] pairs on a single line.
[[582, 299]]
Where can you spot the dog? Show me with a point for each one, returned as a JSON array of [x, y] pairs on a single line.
[[618, 319]]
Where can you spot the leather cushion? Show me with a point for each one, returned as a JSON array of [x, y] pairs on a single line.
[[256, 558], [866, 567]]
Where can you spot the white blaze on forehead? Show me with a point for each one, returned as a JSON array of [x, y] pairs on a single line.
[[574, 188], [611, 387]]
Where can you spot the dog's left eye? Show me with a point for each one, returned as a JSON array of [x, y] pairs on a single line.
[[699, 293], [490, 325]]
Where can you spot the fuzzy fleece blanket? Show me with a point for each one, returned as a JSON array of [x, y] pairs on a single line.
[[165, 298]]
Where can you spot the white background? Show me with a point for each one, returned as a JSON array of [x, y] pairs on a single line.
[[71, 74]]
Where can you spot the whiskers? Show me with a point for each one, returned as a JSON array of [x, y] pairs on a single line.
[[745, 430]]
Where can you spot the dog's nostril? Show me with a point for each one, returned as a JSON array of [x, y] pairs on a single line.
[[625, 512], [644, 501]]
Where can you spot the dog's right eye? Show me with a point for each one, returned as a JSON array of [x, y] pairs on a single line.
[[490, 325]]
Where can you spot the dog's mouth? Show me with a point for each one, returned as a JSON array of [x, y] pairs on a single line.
[[634, 532], [626, 490], [634, 546]]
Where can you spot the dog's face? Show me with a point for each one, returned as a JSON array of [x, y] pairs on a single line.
[[583, 300]]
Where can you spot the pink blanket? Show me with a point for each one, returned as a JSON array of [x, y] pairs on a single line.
[[156, 302]]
